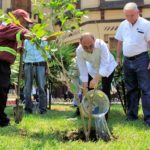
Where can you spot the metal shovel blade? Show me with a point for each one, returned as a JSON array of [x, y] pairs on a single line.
[[18, 113]]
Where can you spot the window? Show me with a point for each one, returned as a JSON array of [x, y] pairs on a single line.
[[108, 4], [112, 0]]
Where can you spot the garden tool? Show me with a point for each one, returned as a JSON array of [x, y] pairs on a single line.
[[18, 109]]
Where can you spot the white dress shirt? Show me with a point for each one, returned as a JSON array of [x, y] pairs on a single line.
[[101, 61], [134, 37]]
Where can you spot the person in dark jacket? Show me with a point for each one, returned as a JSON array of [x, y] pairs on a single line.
[[10, 35]]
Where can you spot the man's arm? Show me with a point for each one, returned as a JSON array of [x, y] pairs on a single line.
[[119, 51], [82, 70], [84, 88], [149, 62]]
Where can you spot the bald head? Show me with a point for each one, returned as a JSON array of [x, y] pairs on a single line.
[[87, 41], [86, 35]]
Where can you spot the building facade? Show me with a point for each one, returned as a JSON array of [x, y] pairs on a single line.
[[103, 18], [7, 5]]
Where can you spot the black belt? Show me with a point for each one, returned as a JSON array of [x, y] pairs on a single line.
[[136, 56], [43, 63]]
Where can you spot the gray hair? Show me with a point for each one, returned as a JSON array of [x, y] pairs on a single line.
[[130, 6]]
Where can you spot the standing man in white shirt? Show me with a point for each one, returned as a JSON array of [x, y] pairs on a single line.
[[133, 37], [95, 63]]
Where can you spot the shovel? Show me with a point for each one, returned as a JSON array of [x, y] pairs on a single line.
[[18, 109]]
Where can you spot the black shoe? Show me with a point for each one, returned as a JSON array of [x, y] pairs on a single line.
[[106, 117], [4, 122], [28, 111], [147, 124], [43, 112], [77, 112]]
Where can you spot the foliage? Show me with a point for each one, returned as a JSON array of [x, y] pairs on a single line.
[[66, 13], [14, 71], [63, 11], [65, 53]]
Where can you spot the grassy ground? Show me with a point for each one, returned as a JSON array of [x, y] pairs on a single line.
[[44, 132]]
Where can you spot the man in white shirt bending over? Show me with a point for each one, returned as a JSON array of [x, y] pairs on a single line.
[[133, 37], [95, 63]]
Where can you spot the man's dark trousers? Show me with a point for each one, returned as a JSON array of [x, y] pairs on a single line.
[[4, 88], [137, 76]]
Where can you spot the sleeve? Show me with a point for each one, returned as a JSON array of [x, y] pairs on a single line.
[[118, 35], [105, 60], [14, 32], [25, 44], [147, 33], [25, 52], [82, 66]]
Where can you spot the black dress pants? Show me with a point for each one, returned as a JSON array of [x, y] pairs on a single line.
[[4, 88]]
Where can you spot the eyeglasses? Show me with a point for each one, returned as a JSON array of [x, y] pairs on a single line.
[[88, 47]]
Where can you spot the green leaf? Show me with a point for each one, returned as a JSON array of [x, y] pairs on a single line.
[[79, 14], [73, 87], [54, 50], [70, 7], [14, 18]]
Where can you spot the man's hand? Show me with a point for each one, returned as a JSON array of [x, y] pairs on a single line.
[[84, 88], [119, 51], [118, 61], [47, 70], [20, 50], [29, 36], [95, 81], [50, 38], [148, 66]]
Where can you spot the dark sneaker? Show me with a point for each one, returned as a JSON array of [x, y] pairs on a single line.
[[28, 111], [77, 112], [4, 122], [43, 112], [147, 124]]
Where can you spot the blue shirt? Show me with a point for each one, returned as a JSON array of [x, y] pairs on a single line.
[[31, 53]]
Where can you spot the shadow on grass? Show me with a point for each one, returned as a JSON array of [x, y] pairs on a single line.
[[43, 138], [57, 112], [117, 116]]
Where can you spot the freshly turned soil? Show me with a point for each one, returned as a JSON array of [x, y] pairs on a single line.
[[79, 135]]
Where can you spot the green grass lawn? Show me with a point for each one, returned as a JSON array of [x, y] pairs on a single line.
[[44, 132]]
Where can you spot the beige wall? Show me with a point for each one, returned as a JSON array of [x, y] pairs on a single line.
[[114, 14], [89, 3], [72, 37], [99, 30], [6, 4], [146, 1], [93, 15], [146, 13]]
